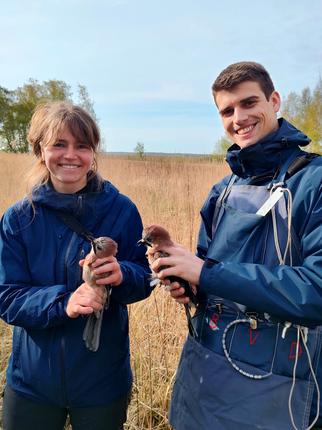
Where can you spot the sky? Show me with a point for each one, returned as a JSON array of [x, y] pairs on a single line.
[[149, 65]]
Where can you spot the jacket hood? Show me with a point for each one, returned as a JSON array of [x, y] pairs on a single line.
[[89, 205], [268, 154]]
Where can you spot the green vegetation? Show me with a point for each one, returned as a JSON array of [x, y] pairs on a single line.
[[222, 145], [139, 150], [17, 107], [304, 110]]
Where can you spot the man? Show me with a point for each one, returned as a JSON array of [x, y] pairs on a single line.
[[254, 361]]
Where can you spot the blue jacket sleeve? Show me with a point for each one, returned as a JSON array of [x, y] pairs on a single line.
[[132, 259], [22, 303], [287, 293]]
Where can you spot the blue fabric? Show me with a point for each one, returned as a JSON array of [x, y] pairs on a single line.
[[39, 270], [294, 293], [273, 149], [243, 271], [206, 399]]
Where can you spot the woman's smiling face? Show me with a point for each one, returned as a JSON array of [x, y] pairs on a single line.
[[68, 162]]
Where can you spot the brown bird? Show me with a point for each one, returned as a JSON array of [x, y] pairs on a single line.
[[157, 236], [101, 247]]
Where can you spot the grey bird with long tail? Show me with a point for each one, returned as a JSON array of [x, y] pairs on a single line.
[[101, 247], [156, 236]]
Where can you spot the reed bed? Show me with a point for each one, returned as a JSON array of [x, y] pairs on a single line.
[[168, 191]]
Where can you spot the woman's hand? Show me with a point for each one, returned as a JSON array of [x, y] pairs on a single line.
[[107, 271], [84, 301]]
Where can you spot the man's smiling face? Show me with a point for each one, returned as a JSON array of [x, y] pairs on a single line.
[[246, 113]]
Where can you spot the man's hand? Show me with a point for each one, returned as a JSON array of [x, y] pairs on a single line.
[[181, 262], [177, 293], [169, 262]]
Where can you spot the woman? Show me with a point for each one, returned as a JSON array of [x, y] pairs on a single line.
[[51, 373]]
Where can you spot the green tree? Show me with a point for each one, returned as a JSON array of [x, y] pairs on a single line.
[[6, 116], [17, 107], [304, 110], [139, 149], [25, 99], [56, 90], [222, 145], [85, 101]]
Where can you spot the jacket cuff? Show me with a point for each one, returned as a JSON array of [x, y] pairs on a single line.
[[58, 313], [208, 275], [135, 285]]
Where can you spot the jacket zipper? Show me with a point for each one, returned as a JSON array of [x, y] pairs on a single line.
[[62, 375], [63, 340]]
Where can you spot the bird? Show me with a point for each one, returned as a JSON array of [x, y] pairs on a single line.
[[101, 247], [155, 235]]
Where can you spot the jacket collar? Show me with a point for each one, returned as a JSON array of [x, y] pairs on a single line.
[[268, 154], [88, 205]]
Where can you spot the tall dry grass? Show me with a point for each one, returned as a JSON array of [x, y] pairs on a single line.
[[169, 191]]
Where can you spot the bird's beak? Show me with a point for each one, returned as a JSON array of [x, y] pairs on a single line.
[[144, 242], [94, 245]]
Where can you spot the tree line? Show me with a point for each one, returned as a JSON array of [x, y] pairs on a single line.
[[304, 111], [17, 107]]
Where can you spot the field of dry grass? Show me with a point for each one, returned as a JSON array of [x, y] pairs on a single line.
[[168, 191]]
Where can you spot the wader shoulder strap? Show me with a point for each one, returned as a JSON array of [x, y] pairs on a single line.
[[291, 166], [299, 163], [220, 200], [295, 165]]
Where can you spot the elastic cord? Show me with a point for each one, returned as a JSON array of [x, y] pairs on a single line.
[[288, 245], [241, 371], [300, 331]]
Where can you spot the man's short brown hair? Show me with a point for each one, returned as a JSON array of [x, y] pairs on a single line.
[[243, 71]]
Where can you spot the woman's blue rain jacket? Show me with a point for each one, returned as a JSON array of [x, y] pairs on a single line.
[[39, 270]]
